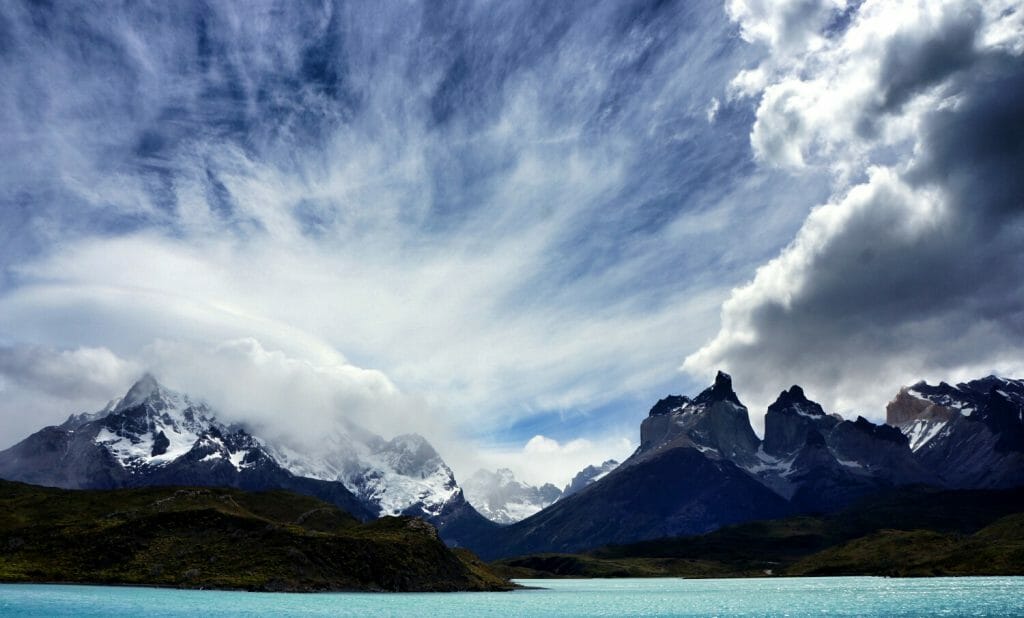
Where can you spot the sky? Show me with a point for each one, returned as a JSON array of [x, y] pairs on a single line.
[[508, 226]]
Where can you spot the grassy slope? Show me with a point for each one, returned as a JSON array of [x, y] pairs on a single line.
[[994, 550], [220, 538], [917, 532]]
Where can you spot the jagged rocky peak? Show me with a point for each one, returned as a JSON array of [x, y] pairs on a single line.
[[794, 400], [714, 422], [919, 409], [790, 419], [145, 390], [721, 390], [924, 401], [879, 432], [669, 404], [411, 453], [1009, 388], [970, 434]]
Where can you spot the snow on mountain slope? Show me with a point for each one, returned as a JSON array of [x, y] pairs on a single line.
[[500, 497], [971, 434], [154, 435], [924, 412], [152, 426], [155, 426], [588, 476], [402, 476]]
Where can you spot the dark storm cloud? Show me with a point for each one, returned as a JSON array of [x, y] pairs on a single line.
[[919, 271], [915, 61], [976, 149]]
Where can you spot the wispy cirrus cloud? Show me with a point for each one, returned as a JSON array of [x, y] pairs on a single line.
[[505, 210]]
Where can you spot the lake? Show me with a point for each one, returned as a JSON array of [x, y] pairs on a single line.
[[833, 596]]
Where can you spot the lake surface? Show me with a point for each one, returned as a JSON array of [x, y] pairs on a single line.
[[833, 596]]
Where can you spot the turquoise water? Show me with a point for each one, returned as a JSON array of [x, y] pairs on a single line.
[[831, 596]]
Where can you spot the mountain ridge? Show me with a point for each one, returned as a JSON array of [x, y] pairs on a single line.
[[699, 466], [809, 461], [156, 436]]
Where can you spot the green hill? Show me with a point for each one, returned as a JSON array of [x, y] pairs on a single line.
[[912, 532], [221, 538]]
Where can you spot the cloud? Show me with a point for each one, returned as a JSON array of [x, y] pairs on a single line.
[[279, 396], [399, 190], [274, 395], [914, 268], [545, 460], [41, 386], [787, 25], [82, 372]]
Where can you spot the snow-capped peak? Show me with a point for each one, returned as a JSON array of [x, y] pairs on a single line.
[[144, 389], [500, 497], [152, 426], [404, 475]]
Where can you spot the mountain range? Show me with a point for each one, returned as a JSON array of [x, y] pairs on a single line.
[[500, 497], [699, 466], [154, 436]]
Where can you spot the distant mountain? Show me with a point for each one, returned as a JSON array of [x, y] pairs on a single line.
[[501, 498], [700, 466], [587, 476], [155, 436], [401, 476], [676, 483], [969, 435]]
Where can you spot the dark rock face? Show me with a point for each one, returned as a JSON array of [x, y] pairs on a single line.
[[883, 451], [160, 444], [721, 390], [821, 483], [789, 420], [669, 404], [824, 464], [714, 421]]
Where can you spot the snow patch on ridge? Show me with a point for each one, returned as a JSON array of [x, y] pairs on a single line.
[[396, 476], [921, 431]]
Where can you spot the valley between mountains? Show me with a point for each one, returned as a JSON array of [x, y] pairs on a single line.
[[681, 504]]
